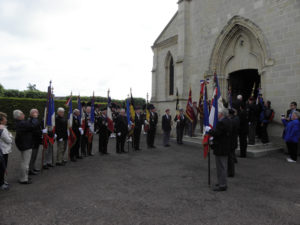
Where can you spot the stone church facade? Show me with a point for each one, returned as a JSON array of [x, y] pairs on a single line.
[[246, 43]]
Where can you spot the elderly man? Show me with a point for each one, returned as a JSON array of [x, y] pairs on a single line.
[[74, 151], [180, 123], [37, 140], [103, 131], [121, 129], [24, 142], [61, 130], [222, 134], [89, 131]]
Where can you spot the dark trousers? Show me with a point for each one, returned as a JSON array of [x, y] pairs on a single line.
[[293, 149], [264, 133], [136, 138], [230, 163], [221, 165], [90, 146], [151, 137], [2, 171], [83, 143], [166, 138], [120, 143], [103, 141], [251, 135], [194, 125], [5, 156], [35, 151], [179, 133], [243, 144], [74, 151]]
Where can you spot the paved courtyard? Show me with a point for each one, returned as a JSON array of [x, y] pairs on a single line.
[[154, 186]]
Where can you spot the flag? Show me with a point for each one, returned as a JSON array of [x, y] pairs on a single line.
[[200, 104], [71, 135], [80, 109], [109, 115], [206, 137], [128, 112], [49, 117], [132, 111], [177, 104], [189, 107], [92, 120], [213, 116], [229, 98]]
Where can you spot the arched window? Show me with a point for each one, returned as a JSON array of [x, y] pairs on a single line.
[[171, 77]]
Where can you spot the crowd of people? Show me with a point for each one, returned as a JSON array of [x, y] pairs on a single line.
[[31, 134], [243, 122]]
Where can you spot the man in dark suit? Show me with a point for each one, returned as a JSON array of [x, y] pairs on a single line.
[[61, 130], [138, 122], [166, 127], [180, 123], [221, 146], [293, 108], [243, 131], [252, 113], [121, 130], [235, 123], [74, 151], [152, 126], [103, 131]]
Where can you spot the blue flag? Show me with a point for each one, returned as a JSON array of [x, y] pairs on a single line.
[[128, 112]]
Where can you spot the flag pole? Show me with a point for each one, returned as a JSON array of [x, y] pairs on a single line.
[[208, 165]]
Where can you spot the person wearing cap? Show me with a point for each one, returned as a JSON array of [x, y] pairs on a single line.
[[152, 126], [138, 122], [121, 130], [180, 123], [166, 127], [61, 130], [103, 131]]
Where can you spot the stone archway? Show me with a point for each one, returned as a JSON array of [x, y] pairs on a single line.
[[240, 46]]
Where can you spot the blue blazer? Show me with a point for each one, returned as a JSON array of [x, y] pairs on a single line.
[[292, 130]]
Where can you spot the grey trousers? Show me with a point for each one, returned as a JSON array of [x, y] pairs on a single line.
[[48, 155], [25, 160], [166, 138], [35, 151], [61, 150], [221, 165], [251, 135]]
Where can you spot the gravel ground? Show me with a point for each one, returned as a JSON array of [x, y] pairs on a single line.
[[154, 186]]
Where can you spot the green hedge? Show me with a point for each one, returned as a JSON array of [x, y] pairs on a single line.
[[8, 105]]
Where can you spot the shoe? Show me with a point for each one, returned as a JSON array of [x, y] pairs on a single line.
[[4, 187], [91, 154], [31, 172], [153, 146], [218, 188], [60, 164], [50, 165], [36, 170], [73, 160], [45, 167], [79, 157], [290, 160], [25, 182], [167, 145], [64, 161]]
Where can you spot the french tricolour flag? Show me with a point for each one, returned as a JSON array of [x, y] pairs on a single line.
[[71, 134], [109, 116], [213, 116]]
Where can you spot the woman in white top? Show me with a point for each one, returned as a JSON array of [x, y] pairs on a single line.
[[6, 138]]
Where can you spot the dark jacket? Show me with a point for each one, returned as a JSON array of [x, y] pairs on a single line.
[[166, 123], [292, 130], [252, 111], [138, 122], [153, 120], [235, 123], [24, 134], [244, 122], [121, 125], [222, 137], [182, 121], [37, 132], [61, 127], [102, 127], [75, 126]]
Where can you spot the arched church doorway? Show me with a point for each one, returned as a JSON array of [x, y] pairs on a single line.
[[244, 82]]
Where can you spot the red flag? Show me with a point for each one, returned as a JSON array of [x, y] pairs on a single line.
[[189, 108]]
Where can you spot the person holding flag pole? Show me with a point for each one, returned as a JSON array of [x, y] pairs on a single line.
[[220, 128], [90, 123], [49, 131], [180, 120]]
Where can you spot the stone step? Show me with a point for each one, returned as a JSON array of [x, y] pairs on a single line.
[[253, 151]]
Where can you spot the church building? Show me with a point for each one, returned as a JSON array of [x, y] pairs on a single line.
[[246, 43]]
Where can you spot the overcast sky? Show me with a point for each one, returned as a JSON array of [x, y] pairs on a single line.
[[81, 45]]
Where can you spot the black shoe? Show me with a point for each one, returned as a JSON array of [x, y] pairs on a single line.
[[36, 170], [31, 172], [91, 154], [220, 188], [64, 161], [25, 182], [79, 157], [73, 160], [153, 146], [50, 165], [60, 164], [45, 167], [167, 145]]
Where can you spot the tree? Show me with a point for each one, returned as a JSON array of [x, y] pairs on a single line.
[[32, 87], [1, 90]]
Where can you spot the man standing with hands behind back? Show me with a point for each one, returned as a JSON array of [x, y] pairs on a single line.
[[166, 127]]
